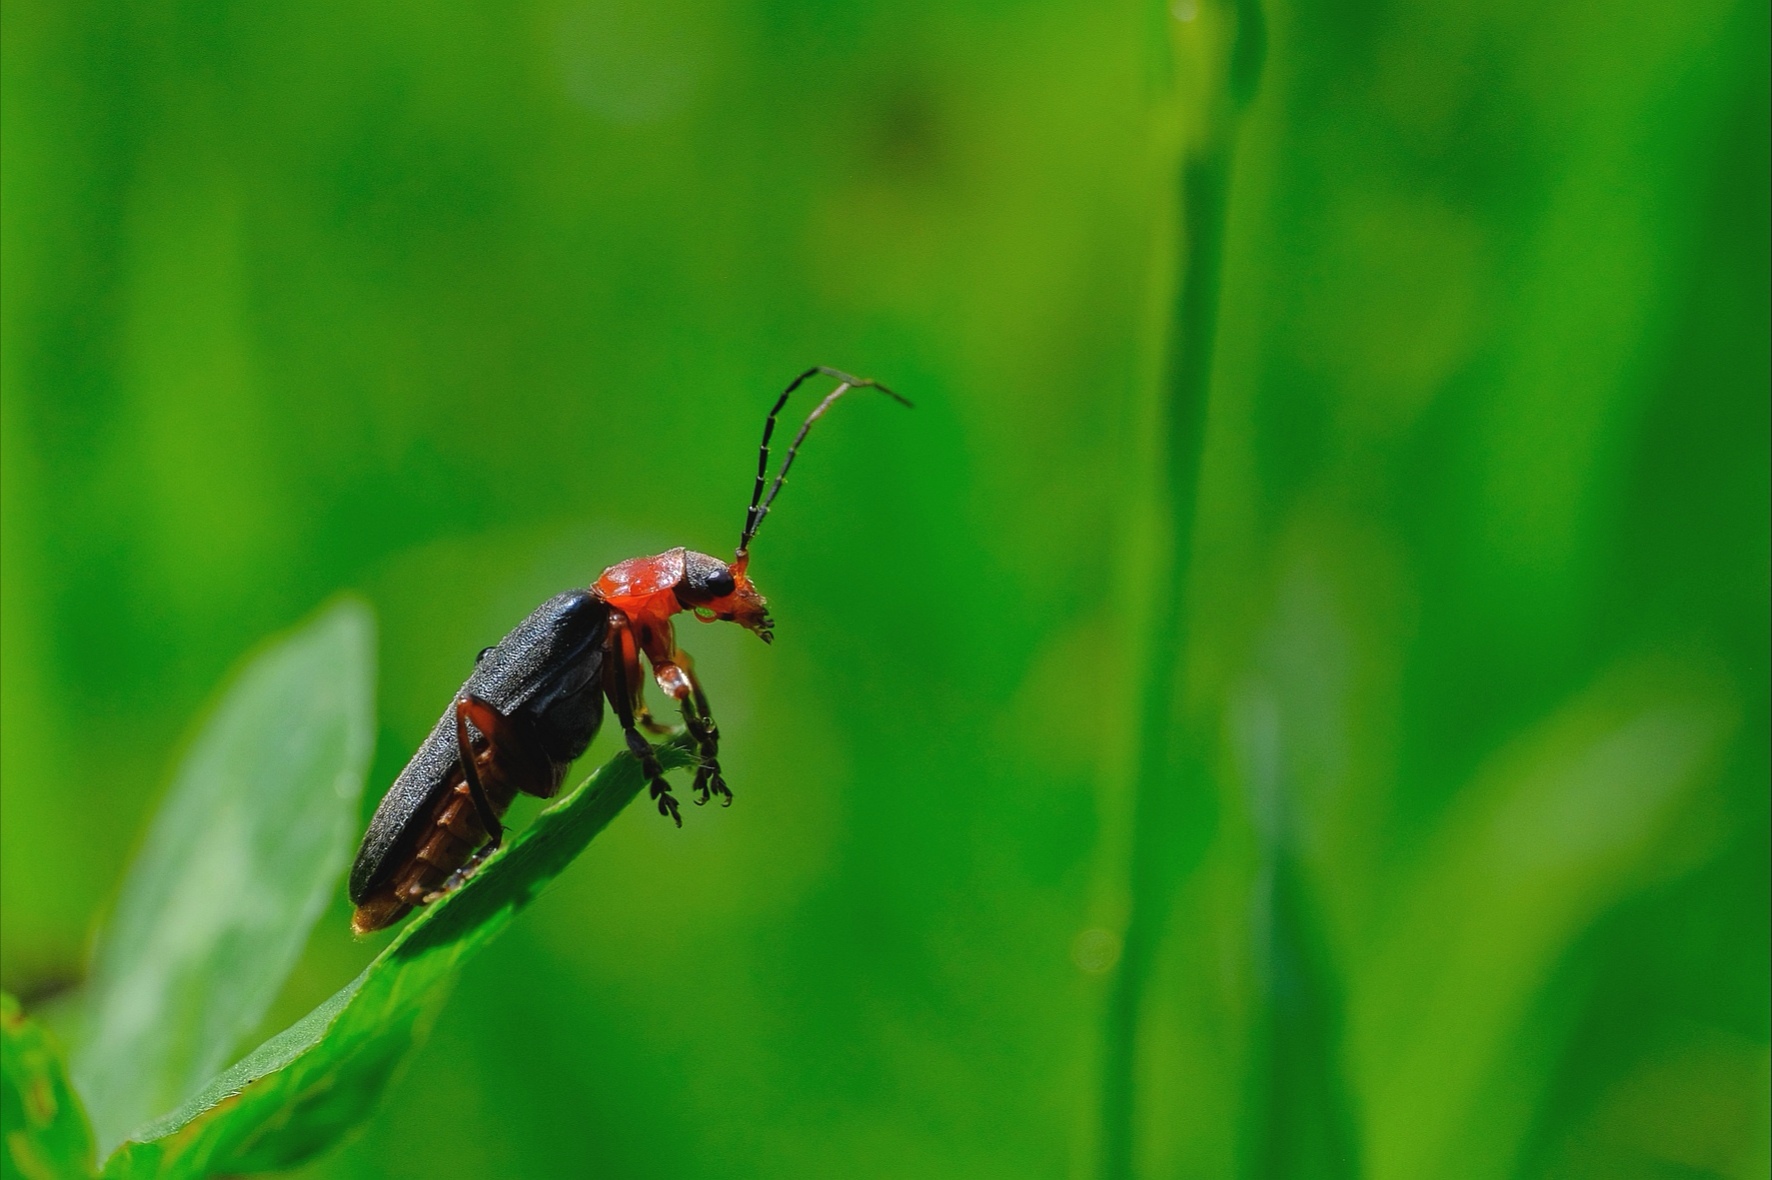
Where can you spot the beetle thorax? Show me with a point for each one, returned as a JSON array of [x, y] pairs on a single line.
[[644, 587], [652, 589]]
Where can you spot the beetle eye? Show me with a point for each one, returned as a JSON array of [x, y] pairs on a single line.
[[720, 583]]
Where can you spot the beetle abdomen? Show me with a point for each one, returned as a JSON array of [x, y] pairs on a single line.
[[546, 671], [442, 845]]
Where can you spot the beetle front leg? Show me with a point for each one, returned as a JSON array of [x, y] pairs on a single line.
[[709, 744], [678, 681]]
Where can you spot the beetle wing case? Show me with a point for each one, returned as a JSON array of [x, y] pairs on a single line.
[[549, 668]]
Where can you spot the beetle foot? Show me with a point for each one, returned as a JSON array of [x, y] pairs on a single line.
[[458, 878], [667, 802], [710, 782]]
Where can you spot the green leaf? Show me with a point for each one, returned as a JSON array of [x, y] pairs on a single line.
[[47, 1136], [303, 1089], [1556, 828], [240, 862]]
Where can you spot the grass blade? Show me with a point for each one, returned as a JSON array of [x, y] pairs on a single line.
[[1555, 829], [302, 1090], [47, 1136], [1168, 829], [238, 865]]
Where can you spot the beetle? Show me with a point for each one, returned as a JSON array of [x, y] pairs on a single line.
[[535, 700]]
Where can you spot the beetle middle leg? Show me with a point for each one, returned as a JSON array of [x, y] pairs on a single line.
[[699, 720], [622, 657]]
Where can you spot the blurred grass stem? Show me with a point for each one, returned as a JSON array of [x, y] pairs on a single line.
[[1170, 791]]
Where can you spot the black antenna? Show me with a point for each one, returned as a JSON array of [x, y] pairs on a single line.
[[753, 517]]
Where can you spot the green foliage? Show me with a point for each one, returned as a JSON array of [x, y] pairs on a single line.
[[1445, 851], [306, 1087], [1465, 750], [1550, 831], [45, 1133], [283, 749], [239, 863]]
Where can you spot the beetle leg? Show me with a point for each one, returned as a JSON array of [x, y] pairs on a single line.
[[679, 683], [470, 771], [460, 876], [630, 654], [675, 673], [514, 755], [617, 669], [645, 720], [700, 720], [643, 638]]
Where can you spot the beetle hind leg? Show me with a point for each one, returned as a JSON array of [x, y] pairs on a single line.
[[471, 761]]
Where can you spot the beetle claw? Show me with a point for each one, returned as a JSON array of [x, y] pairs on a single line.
[[667, 803], [709, 782]]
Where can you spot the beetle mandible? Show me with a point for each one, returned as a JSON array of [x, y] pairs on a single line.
[[535, 701]]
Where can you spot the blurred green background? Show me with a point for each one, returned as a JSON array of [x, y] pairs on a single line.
[[1343, 752]]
